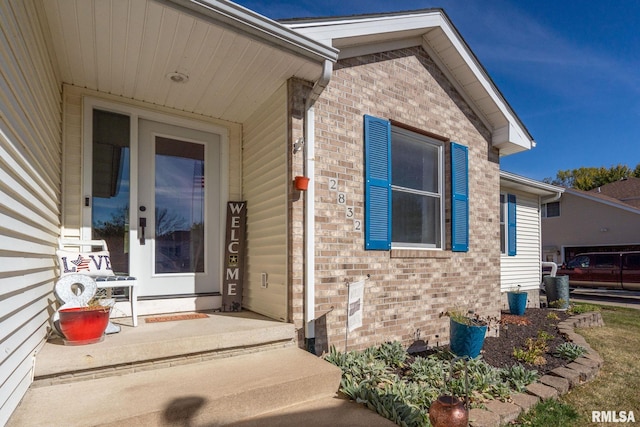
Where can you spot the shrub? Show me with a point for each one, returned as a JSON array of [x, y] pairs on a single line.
[[582, 308], [535, 350], [569, 351], [519, 377], [370, 377]]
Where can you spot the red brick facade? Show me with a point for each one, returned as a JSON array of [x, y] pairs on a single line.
[[407, 289]]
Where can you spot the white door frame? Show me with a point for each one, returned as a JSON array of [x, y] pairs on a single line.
[[156, 305]]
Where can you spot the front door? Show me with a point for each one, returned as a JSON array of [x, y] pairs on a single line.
[[178, 208], [156, 200]]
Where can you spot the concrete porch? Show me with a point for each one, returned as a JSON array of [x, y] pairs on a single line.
[[227, 368]]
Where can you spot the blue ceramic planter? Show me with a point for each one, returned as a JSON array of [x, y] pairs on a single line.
[[466, 340], [517, 302]]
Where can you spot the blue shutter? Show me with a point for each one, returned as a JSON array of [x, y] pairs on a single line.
[[511, 224], [459, 198], [377, 193]]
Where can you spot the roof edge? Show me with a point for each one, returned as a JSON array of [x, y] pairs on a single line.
[[530, 182], [256, 26], [616, 204], [510, 136]]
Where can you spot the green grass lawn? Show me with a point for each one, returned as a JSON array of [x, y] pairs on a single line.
[[617, 386]]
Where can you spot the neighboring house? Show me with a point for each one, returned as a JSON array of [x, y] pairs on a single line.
[[521, 200], [138, 120], [603, 219]]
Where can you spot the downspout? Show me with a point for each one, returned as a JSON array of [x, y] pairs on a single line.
[[309, 208], [552, 198]]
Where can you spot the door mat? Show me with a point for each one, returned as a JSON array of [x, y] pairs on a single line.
[[175, 317]]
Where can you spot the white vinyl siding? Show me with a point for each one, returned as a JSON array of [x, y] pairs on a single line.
[[30, 173], [265, 190], [524, 267]]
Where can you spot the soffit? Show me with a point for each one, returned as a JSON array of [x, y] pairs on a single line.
[[234, 59]]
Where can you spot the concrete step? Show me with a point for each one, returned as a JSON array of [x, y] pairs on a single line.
[[323, 412], [160, 345], [211, 393]]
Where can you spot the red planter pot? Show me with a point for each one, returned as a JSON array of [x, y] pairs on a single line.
[[83, 325], [302, 183]]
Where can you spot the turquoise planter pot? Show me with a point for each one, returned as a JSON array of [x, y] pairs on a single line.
[[517, 302], [466, 340]]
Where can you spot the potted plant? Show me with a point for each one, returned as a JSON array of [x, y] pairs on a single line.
[[467, 333], [86, 324], [517, 301]]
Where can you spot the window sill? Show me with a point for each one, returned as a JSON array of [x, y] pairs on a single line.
[[420, 253]]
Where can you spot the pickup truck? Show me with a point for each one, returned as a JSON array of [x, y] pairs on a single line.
[[611, 270]]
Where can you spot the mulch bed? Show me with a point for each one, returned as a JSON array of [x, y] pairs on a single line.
[[514, 332]]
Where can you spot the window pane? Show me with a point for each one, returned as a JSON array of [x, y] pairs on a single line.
[[553, 209], [179, 206], [416, 219], [110, 185], [606, 261], [414, 163]]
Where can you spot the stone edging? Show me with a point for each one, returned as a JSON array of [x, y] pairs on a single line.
[[550, 386]]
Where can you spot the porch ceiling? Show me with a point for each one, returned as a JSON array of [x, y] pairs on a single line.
[[234, 59]]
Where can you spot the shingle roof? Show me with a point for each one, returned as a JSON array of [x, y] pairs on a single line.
[[626, 190]]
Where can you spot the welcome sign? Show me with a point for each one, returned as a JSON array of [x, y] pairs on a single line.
[[235, 241]]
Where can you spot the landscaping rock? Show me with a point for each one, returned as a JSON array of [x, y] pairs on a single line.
[[573, 376], [586, 373], [595, 357], [560, 384], [587, 362], [506, 411], [483, 418], [544, 392], [524, 400]]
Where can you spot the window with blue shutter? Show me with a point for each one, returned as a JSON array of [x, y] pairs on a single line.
[[404, 188], [459, 198], [377, 137], [511, 224]]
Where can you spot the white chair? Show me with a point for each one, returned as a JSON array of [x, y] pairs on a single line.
[[102, 281]]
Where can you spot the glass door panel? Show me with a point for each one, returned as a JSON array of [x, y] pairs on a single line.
[[178, 246], [179, 211]]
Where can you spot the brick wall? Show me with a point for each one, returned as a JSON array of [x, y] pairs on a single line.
[[406, 290]]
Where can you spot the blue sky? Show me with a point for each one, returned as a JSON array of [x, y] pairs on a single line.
[[570, 70]]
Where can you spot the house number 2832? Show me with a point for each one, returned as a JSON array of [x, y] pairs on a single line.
[[341, 198]]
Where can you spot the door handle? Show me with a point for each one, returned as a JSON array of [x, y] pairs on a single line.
[[142, 222]]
